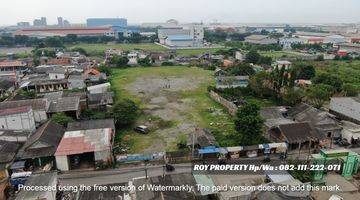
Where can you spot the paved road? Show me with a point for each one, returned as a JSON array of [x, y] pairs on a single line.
[[117, 175], [122, 175]]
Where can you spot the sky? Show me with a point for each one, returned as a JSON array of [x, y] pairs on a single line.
[[139, 11]]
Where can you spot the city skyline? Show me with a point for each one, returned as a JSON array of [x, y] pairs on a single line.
[[227, 11]]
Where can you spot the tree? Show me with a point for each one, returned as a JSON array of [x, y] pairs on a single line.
[[248, 124], [252, 57], [303, 71], [267, 60], [119, 61], [53, 42], [125, 112], [350, 90], [259, 83], [318, 94], [293, 96], [329, 79], [105, 70], [80, 50], [242, 69], [144, 61], [61, 118]]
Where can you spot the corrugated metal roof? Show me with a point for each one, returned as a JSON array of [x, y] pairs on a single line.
[[78, 142]]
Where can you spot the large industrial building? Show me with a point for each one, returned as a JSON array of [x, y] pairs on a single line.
[[191, 36], [96, 22], [79, 31]]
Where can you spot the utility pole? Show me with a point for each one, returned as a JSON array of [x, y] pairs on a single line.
[[193, 145]]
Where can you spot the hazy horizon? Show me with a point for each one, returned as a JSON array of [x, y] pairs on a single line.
[[142, 11]]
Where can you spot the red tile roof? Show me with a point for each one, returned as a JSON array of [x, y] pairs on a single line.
[[15, 63], [10, 111]]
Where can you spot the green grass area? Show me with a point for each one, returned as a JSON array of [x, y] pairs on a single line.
[[98, 49], [348, 71], [280, 54], [201, 110], [194, 52]]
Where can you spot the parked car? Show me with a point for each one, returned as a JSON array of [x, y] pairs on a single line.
[[169, 168], [142, 129]]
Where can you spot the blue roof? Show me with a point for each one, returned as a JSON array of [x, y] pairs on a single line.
[[180, 37], [208, 150]]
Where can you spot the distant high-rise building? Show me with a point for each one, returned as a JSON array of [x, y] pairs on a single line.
[[66, 23], [23, 24], [60, 22], [43, 21], [40, 22], [94, 22]]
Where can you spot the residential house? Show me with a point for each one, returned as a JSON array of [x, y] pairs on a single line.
[[346, 108], [13, 66], [14, 136], [283, 63], [43, 86], [61, 61], [350, 132], [288, 42], [320, 121], [91, 124], [39, 107], [100, 100], [8, 151], [220, 72], [39, 150], [56, 74], [81, 95], [274, 116], [133, 58], [92, 76], [315, 40], [68, 105], [6, 88], [296, 135], [113, 52], [48, 180], [101, 88], [227, 63], [76, 82], [223, 82], [20, 118], [239, 56], [88, 147], [260, 39]]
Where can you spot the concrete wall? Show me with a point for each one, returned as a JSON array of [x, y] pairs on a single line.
[[40, 116], [21, 121], [232, 108], [103, 155], [56, 76], [62, 163], [181, 43]]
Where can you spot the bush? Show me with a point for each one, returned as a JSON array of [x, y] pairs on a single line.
[[62, 119]]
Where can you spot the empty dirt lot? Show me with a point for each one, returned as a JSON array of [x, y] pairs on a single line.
[[174, 102]]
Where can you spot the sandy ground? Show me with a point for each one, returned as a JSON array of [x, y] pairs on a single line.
[[162, 98]]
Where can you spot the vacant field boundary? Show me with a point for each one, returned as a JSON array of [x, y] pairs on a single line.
[[230, 106]]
